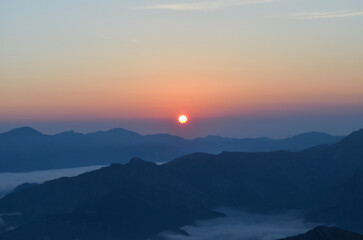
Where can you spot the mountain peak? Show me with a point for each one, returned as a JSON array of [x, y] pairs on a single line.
[[328, 233], [23, 132], [120, 130], [138, 162], [115, 132]]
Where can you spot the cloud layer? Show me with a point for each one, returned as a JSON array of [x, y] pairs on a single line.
[[325, 15], [9, 181], [240, 225], [206, 5]]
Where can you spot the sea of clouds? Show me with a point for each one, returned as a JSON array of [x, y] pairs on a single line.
[[9, 181], [239, 225]]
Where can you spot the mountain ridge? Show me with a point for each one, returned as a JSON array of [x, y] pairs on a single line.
[[25, 149], [144, 195], [327, 233], [123, 130]]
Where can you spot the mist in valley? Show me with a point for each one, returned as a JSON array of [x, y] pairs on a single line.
[[9, 181], [238, 225]]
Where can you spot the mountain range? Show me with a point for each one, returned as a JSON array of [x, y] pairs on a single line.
[[140, 199], [25, 149], [327, 233]]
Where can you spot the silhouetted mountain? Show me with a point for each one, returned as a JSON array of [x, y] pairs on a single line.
[[25, 149], [131, 201], [327, 233], [22, 132], [307, 140], [24, 186], [343, 204], [327, 180], [353, 140], [140, 199]]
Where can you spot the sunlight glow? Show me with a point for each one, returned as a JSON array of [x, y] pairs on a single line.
[[183, 119]]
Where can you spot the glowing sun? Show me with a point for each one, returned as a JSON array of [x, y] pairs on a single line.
[[183, 119]]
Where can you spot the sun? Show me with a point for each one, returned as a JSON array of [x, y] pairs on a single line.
[[183, 119]]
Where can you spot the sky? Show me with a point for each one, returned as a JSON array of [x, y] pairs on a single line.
[[236, 67]]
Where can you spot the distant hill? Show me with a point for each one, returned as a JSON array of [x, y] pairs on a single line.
[[140, 199], [327, 233], [25, 149]]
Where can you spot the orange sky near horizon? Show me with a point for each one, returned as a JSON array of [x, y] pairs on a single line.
[[84, 63]]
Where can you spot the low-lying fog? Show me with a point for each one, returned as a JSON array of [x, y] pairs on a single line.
[[245, 226], [9, 181]]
